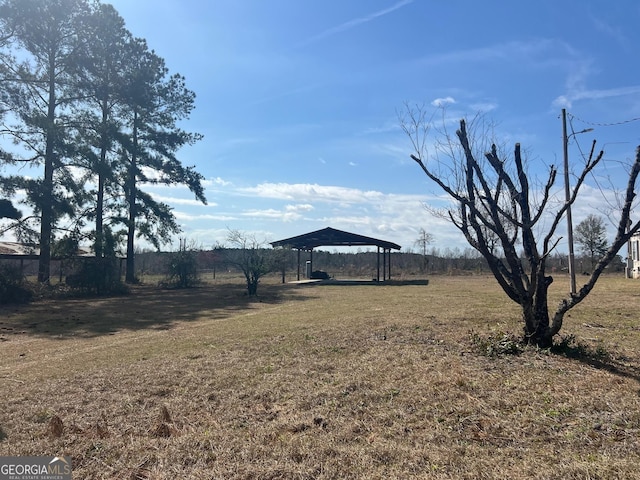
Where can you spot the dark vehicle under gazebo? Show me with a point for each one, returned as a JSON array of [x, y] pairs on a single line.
[[331, 237]]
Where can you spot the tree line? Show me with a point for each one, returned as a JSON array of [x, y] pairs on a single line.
[[405, 264], [98, 112]]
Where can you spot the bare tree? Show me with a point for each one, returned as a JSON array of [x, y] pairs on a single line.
[[250, 256], [493, 199], [424, 239]]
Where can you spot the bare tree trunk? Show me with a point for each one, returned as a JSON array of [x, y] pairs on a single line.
[[252, 286], [535, 314]]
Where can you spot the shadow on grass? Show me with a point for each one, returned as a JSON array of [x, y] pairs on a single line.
[[500, 344], [354, 282], [617, 367], [146, 307], [598, 358]]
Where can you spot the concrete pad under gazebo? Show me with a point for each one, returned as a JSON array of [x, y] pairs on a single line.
[[330, 237]]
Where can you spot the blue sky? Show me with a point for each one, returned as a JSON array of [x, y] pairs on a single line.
[[298, 102]]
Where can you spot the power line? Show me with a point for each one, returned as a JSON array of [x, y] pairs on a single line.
[[595, 179], [596, 124]]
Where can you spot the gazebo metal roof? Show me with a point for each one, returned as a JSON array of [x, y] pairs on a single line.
[[331, 237]]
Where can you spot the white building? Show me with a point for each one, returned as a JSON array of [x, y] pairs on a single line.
[[633, 257]]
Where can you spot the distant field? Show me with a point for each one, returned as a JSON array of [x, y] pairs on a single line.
[[321, 382]]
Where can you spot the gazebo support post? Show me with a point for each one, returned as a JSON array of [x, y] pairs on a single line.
[[384, 264]]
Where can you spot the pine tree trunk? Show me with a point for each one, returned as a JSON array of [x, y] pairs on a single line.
[[102, 167], [46, 218], [131, 274]]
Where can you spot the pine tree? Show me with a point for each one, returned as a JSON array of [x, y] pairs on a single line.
[[40, 90], [87, 94], [103, 85], [155, 102]]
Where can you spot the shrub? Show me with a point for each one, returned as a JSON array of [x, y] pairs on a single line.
[[96, 276], [13, 288], [182, 270], [495, 344]]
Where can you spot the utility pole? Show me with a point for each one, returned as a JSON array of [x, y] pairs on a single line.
[[567, 196], [567, 193]]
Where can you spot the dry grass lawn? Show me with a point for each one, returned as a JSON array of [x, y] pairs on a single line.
[[320, 382]]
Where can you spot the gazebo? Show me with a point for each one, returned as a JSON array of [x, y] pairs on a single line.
[[330, 237]]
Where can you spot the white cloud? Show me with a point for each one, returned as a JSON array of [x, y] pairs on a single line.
[[311, 192], [562, 102], [273, 214], [188, 217], [567, 100], [390, 126], [292, 209], [399, 151], [299, 208], [216, 181], [483, 107], [613, 31], [348, 25], [441, 102], [150, 173], [536, 51], [179, 201]]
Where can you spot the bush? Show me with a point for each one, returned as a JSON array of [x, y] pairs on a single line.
[[182, 270], [13, 288], [495, 344], [96, 276]]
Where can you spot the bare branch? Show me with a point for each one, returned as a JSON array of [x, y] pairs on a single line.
[[496, 203]]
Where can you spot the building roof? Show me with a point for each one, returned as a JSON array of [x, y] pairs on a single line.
[[330, 237], [16, 249]]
